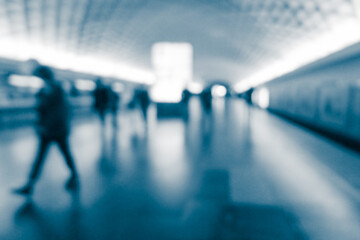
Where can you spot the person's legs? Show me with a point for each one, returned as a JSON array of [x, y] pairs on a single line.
[[144, 112], [102, 116], [115, 115], [36, 168], [65, 149], [44, 145]]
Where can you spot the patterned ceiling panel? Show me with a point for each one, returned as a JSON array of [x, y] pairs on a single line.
[[242, 35]]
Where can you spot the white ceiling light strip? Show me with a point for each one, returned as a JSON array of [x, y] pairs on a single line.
[[337, 38], [23, 50], [356, 4]]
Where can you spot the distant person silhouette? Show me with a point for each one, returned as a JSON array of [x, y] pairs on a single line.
[[144, 101], [53, 126], [101, 99], [185, 98], [247, 95], [206, 100], [114, 101], [140, 101]]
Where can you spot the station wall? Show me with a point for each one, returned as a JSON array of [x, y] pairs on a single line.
[[326, 97]]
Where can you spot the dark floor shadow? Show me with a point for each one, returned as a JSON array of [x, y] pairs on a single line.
[[109, 154], [232, 221], [207, 131], [33, 222], [75, 229], [250, 221], [139, 145]]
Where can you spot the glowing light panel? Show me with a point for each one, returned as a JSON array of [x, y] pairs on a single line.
[[173, 66], [339, 37], [218, 91], [195, 87], [117, 87], [85, 85], [261, 97], [25, 81], [23, 50]]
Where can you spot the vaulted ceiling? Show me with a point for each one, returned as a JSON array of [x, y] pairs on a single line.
[[232, 39]]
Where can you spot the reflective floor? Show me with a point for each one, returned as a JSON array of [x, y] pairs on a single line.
[[240, 173]]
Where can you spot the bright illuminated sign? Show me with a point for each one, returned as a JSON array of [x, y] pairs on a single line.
[[218, 91], [85, 85], [173, 67], [52, 56], [261, 97], [25, 81]]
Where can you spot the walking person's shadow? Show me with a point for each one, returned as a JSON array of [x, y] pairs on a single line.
[[109, 154], [37, 223]]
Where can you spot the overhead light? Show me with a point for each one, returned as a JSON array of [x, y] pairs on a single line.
[[165, 94], [218, 91], [25, 81], [261, 97], [241, 87], [23, 50], [85, 85], [339, 37], [173, 66], [195, 87], [117, 87]]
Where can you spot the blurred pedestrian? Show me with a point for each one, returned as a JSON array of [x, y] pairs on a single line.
[[140, 103], [101, 99], [185, 98], [206, 100], [53, 126], [114, 101], [144, 101]]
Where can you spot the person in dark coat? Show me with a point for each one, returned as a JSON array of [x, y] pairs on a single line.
[[101, 99], [185, 98], [206, 100], [53, 126], [114, 101], [144, 101]]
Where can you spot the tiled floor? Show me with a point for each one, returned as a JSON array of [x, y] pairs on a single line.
[[241, 173]]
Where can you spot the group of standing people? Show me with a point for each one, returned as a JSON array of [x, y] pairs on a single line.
[[53, 124]]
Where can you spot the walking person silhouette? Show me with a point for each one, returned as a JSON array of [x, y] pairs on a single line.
[[53, 126], [101, 100]]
